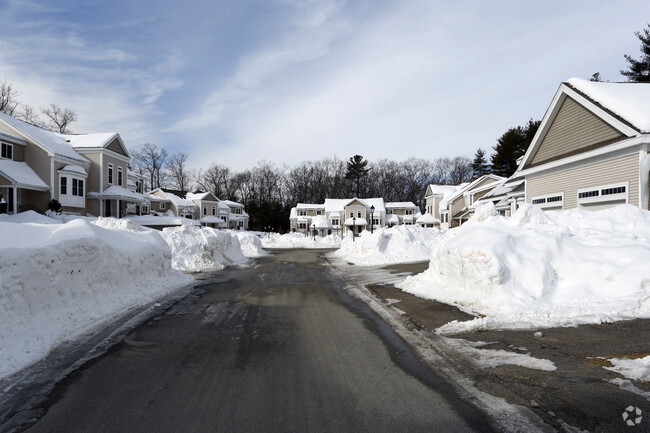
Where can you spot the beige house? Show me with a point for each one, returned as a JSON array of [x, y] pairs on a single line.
[[433, 196], [350, 215], [86, 173], [592, 148], [457, 208]]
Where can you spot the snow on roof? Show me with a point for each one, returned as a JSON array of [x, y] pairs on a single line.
[[392, 219], [320, 222], [631, 101], [356, 222], [22, 175], [211, 219], [179, 202], [117, 192], [197, 196], [97, 140], [335, 204], [232, 203], [75, 169], [443, 189], [309, 206], [54, 142], [427, 218], [400, 205], [153, 197], [378, 203], [13, 138]]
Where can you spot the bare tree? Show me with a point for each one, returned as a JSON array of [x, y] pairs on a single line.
[[460, 170], [60, 118], [8, 101], [29, 115], [150, 161], [180, 175]]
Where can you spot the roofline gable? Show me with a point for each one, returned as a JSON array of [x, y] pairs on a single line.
[[566, 90]]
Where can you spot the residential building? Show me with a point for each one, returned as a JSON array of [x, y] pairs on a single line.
[[85, 173], [457, 208], [592, 149], [350, 215]]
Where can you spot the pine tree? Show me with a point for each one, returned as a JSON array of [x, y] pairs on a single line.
[[639, 70], [512, 145], [357, 168], [479, 165]]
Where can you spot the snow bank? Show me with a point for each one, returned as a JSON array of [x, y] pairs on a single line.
[[539, 269], [202, 249], [400, 244], [59, 280], [251, 244], [299, 240]]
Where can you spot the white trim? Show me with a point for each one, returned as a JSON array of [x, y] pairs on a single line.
[[546, 204], [599, 197]]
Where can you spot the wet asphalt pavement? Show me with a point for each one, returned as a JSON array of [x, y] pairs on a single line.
[[277, 347]]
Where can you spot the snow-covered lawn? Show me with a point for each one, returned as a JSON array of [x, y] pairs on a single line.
[[538, 269], [400, 244], [60, 279]]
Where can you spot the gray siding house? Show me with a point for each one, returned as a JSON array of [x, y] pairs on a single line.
[[592, 148]]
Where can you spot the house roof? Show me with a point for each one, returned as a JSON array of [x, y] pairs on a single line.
[[629, 101], [115, 192], [427, 218], [51, 141], [470, 186], [232, 203], [400, 205], [21, 175], [434, 189], [205, 196], [310, 206], [320, 222]]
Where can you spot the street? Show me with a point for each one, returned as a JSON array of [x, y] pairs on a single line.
[[275, 347]]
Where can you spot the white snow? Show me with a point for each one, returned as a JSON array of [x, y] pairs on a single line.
[[399, 244], [637, 369], [539, 269], [202, 249], [299, 240], [494, 358], [59, 280]]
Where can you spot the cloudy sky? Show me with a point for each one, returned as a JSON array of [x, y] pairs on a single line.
[[237, 81]]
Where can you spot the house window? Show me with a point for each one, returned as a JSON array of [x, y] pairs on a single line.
[[301, 213], [214, 210], [375, 221], [359, 214], [603, 195], [205, 210], [162, 205], [302, 226], [553, 201], [318, 212], [64, 185], [119, 176], [78, 187], [110, 174], [335, 221], [7, 151]]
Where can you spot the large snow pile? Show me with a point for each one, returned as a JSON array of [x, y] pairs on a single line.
[[299, 240], [202, 249], [251, 244], [28, 217], [400, 244], [58, 280], [539, 269]]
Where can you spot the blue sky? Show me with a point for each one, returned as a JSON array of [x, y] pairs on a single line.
[[234, 82]]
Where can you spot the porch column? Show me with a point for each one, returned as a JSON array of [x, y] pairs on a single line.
[[118, 211], [15, 200]]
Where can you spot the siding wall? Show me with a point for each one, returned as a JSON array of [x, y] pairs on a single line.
[[574, 129], [115, 147], [571, 179]]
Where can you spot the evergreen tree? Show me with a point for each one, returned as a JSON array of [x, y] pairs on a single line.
[[512, 145], [357, 168], [479, 165], [639, 70]]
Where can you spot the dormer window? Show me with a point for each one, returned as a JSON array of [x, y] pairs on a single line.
[[7, 151]]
